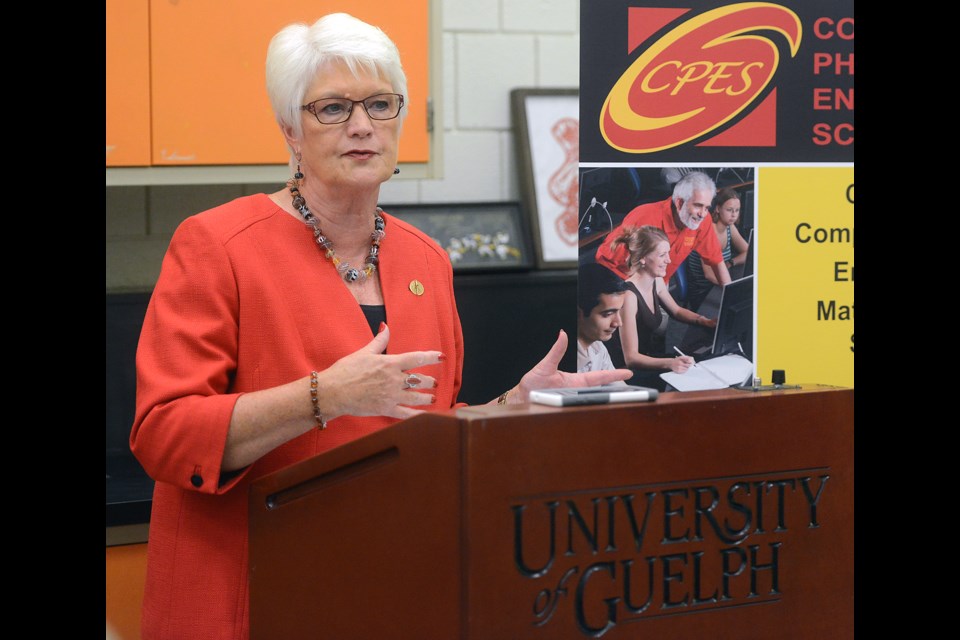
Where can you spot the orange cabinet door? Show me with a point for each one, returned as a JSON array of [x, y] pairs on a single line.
[[128, 83], [209, 97]]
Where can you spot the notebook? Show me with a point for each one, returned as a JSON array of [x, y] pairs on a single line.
[[716, 373]]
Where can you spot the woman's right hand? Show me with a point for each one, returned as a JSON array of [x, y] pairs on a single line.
[[369, 382], [364, 383], [680, 364]]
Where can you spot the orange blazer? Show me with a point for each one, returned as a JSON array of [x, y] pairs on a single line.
[[245, 301]]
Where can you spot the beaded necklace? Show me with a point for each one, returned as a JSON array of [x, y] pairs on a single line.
[[348, 273]]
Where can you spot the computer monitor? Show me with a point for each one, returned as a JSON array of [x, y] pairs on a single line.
[[734, 332]]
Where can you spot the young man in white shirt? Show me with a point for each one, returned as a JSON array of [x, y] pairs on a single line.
[[599, 299]]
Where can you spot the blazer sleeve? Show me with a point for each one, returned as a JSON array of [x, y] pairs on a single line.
[[185, 362]]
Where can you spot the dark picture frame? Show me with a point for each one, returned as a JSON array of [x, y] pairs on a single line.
[[547, 126], [477, 236]]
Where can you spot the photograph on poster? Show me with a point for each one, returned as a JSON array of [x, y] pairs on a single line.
[[675, 236]]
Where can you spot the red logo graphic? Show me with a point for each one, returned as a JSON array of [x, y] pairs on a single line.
[[698, 77]]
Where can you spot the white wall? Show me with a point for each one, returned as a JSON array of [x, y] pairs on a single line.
[[489, 48]]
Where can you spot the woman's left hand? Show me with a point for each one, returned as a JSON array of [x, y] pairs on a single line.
[[546, 375]]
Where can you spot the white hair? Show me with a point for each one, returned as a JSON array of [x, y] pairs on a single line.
[[694, 181], [297, 52]]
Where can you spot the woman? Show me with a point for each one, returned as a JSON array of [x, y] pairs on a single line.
[[642, 329], [700, 276], [284, 325]]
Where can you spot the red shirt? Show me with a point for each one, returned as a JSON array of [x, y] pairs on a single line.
[[682, 239]]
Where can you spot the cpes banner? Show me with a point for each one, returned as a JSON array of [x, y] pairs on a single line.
[[759, 98]]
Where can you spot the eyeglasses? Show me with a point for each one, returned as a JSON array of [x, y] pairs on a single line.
[[383, 106]]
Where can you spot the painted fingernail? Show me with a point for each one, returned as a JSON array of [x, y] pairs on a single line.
[[442, 358], [433, 399], [383, 325]]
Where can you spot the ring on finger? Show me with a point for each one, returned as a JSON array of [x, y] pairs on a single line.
[[412, 381]]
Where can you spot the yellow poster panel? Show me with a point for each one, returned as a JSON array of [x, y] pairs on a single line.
[[805, 274]]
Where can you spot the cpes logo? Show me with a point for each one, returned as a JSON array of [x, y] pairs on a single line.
[[698, 77]]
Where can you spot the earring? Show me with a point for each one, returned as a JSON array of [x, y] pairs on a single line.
[[298, 175]]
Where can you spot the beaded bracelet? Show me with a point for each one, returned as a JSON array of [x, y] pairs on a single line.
[[321, 423]]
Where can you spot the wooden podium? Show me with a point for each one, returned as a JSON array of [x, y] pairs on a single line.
[[721, 514]]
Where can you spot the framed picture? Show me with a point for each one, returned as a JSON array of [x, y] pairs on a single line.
[[477, 236], [547, 126]]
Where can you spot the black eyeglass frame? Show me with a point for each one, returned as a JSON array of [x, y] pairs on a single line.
[[310, 107]]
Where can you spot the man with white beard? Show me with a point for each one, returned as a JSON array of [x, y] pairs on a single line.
[[680, 217]]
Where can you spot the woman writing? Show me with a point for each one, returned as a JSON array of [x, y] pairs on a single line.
[[643, 325], [284, 325], [725, 213]]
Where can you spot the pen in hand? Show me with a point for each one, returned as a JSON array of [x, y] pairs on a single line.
[[682, 354]]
